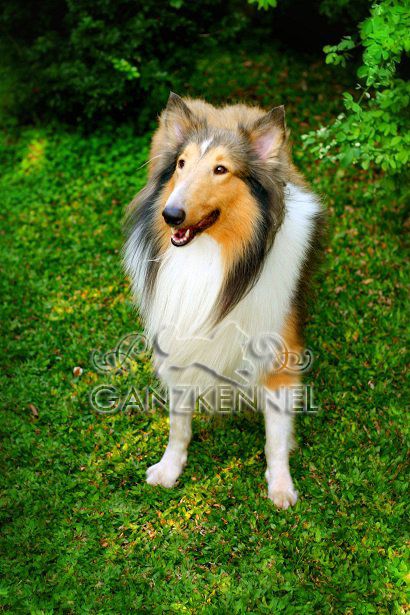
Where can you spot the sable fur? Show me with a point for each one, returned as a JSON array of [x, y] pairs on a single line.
[[236, 127], [239, 269]]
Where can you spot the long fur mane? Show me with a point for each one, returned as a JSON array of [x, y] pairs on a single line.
[[266, 182]]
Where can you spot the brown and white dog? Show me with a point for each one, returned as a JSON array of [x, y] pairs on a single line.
[[224, 233]]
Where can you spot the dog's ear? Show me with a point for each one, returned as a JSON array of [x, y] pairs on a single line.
[[178, 118], [268, 134]]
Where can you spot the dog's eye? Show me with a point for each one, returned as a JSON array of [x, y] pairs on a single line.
[[220, 170], [181, 163]]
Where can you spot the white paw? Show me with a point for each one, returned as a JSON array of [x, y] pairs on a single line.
[[165, 473], [280, 488], [283, 498]]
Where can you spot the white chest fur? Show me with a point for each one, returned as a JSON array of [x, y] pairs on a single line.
[[188, 284]]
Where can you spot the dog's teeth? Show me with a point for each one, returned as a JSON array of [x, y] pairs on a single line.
[[178, 240]]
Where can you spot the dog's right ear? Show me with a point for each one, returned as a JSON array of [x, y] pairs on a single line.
[[269, 134], [178, 118]]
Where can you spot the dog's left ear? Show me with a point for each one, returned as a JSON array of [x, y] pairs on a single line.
[[269, 133], [178, 117]]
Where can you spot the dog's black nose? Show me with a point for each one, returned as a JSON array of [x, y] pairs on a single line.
[[173, 215]]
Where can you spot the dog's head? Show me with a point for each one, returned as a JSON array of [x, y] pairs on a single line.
[[219, 171], [227, 176]]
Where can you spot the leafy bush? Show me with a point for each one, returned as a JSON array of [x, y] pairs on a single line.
[[373, 131], [113, 59], [82, 59]]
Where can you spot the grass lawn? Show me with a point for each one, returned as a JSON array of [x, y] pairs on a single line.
[[81, 531]]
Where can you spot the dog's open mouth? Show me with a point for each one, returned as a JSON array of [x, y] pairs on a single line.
[[183, 236]]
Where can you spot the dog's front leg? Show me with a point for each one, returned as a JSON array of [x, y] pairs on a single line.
[[169, 469], [278, 410]]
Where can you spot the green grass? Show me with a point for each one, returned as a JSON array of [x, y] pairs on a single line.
[[81, 531]]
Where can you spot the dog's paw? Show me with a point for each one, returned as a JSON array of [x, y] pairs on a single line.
[[165, 473], [280, 489], [283, 498]]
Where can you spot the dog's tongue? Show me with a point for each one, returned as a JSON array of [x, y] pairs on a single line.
[[179, 233]]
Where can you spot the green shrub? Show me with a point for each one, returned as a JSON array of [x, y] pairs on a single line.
[[80, 60], [84, 61], [374, 130]]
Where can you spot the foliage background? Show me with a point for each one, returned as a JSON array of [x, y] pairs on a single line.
[[81, 531]]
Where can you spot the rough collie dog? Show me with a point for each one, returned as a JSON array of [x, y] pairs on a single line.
[[220, 244]]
